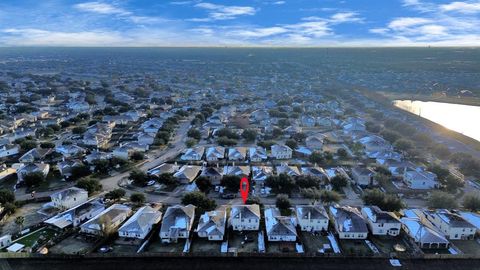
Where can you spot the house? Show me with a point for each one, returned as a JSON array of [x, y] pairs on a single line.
[[96, 155], [314, 172], [107, 221], [314, 142], [348, 222], [289, 170], [381, 222], [214, 153], [212, 225], [240, 171], [141, 223], [70, 150], [65, 167], [69, 198], [77, 215], [374, 143], [193, 154], [35, 154], [425, 236], [146, 138], [364, 177], [278, 227], [312, 218], [9, 150], [177, 223], [308, 121], [261, 173], [163, 168], [6, 171], [259, 115], [237, 153], [5, 241], [419, 178], [281, 151], [452, 225], [187, 173], [26, 169], [245, 217], [215, 174], [126, 150], [257, 154]]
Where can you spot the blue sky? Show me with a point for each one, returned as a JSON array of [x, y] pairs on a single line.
[[239, 23]]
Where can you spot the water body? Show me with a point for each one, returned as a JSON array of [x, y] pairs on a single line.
[[460, 118]]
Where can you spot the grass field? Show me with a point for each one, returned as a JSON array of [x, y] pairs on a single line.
[[43, 234]]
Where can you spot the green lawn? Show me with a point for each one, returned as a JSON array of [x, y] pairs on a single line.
[[30, 239]]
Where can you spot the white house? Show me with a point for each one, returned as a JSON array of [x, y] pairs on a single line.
[[240, 171], [425, 236], [257, 154], [381, 222], [215, 153], [245, 217], [278, 227], [77, 215], [193, 154], [349, 223], [452, 225], [5, 241], [26, 169], [261, 173], [312, 218], [212, 225], [9, 150], [187, 173], [69, 198], [141, 223], [419, 178], [107, 221], [363, 176], [237, 153], [289, 170], [314, 142], [177, 223], [281, 151]]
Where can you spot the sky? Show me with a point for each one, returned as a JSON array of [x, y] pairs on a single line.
[[239, 23]]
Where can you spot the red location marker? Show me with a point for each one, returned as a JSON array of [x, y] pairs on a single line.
[[244, 186]]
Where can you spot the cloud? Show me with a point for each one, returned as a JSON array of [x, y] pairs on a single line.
[[221, 12], [101, 8], [279, 3], [406, 22], [343, 17], [462, 7]]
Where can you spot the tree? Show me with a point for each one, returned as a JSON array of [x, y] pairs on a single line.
[[266, 144], [231, 183], [200, 200], [27, 145], [190, 143], [299, 136], [19, 221], [80, 171], [471, 202], [203, 183], [6, 196], [283, 202], [79, 130], [253, 200], [9, 208], [390, 135], [194, 133], [33, 179], [115, 194], [291, 143], [282, 183], [224, 141], [342, 153], [137, 155], [138, 198], [452, 183], [102, 166], [329, 197], [386, 202], [249, 135], [403, 145], [46, 145], [373, 127], [308, 181], [89, 184], [138, 177], [167, 179], [225, 132], [440, 199], [316, 157], [441, 151], [338, 182]]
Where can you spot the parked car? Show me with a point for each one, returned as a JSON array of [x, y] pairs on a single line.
[[228, 196]]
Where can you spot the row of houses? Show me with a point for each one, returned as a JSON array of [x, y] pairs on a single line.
[[253, 154]]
